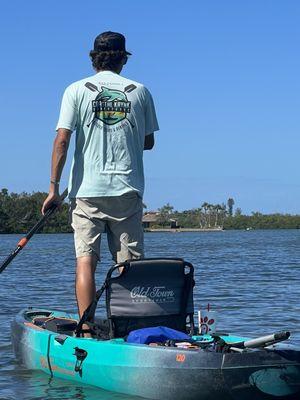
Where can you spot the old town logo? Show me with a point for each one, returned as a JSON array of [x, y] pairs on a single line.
[[152, 294], [110, 106]]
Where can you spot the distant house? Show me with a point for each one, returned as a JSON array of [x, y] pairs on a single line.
[[150, 218], [173, 224]]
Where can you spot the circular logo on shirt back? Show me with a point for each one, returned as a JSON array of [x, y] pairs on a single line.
[[111, 106]]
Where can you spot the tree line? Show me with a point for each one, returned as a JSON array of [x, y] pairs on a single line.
[[20, 211], [204, 217], [223, 216]]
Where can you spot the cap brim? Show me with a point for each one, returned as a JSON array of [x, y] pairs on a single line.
[[127, 52]]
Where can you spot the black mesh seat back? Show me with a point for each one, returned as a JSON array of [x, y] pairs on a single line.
[[150, 293]]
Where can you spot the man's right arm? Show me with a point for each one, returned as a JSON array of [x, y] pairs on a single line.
[[66, 124], [59, 156]]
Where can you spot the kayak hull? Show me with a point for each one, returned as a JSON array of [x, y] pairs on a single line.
[[157, 372]]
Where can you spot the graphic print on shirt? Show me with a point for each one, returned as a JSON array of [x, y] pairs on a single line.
[[111, 106]]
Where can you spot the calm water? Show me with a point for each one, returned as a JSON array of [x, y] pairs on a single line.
[[251, 278]]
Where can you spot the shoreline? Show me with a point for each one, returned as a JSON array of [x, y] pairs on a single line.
[[178, 230]]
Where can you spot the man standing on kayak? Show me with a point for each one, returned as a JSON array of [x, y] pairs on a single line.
[[115, 121]]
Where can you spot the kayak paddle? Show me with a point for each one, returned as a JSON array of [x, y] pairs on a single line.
[[22, 242], [263, 341]]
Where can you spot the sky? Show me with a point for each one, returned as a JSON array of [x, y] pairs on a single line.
[[224, 76]]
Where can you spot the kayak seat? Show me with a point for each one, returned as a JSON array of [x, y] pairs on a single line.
[[144, 293], [149, 293]]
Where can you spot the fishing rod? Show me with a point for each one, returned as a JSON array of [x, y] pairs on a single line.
[[24, 240]]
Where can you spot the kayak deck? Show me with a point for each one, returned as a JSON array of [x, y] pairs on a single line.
[[157, 372]]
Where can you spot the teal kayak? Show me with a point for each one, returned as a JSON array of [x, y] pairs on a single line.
[[205, 372]]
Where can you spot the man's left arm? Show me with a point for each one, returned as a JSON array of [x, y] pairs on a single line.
[[151, 124]]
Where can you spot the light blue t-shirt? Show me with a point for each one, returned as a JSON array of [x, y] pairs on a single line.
[[111, 116]]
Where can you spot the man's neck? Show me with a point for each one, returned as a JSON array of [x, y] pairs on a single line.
[[117, 71], [110, 70]]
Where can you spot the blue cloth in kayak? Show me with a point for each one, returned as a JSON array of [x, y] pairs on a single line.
[[157, 334]]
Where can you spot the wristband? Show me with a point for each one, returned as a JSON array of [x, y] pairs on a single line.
[[56, 183]]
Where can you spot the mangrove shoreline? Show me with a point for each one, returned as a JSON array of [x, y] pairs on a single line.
[[19, 212]]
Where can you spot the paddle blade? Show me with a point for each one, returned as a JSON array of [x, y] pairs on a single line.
[[91, 86], [129, 88]]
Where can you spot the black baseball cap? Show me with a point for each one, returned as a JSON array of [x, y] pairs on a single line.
[[110, 41]]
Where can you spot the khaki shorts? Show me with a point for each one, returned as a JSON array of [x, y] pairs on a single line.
[[120, 217]]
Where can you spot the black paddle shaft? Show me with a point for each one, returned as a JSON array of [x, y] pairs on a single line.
[[89, 313], [22, 243]]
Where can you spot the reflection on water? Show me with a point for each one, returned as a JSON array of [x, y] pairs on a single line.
[[39, 386], [251, 278]]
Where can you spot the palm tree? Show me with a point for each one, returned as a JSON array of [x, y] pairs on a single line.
[[205, 206], [218, 209], [198, 215], [230, 203], [210, 211], [223, 214], [165, 213]]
